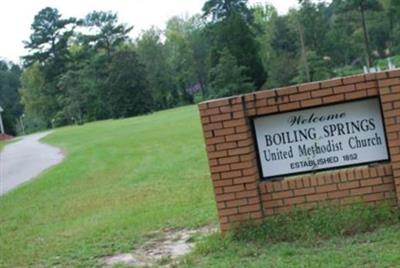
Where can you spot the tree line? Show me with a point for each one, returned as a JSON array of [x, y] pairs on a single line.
[[85, 69]]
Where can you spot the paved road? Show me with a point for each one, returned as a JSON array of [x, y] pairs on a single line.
[[25, 159]]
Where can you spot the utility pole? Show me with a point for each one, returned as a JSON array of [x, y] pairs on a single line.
[[1, 122]]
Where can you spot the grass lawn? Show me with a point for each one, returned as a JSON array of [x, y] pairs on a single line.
[[377, 249], [123, 179]]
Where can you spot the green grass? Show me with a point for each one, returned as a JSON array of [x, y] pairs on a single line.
[[377, 249], [121, 180], [330, 236], [124, 179]]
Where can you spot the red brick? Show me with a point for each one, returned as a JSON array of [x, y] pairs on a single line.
[[230, 174], [372, 92], [395, 73], [249, 171], [389, 82], [334, 98], [231, 108], [267, 110], [338, 194], [356, 95], [226, 145], [286, 91], [273, 203], [332, 83], [247, 179], [348, 185], [322, 93], [295, 200], [353, 79], [234, 123], [241, 129], [220, 168], [316, 197], [228, 160], [213, 111], [241, 165], [365, 85], [220, 117], [390, 97], [344, 89], [236, 203], [202, 106], [280, 195], [265, 94], [305, 191], [218, 102], [238, 115], [221, 183], [233, 189], [300, 96], [373, 197], [228, 211], [251, 186], [261, 103], [238, 137], [239, 218], [309, 86], [250, 208], [289, 106], [389, 187], [224, 197], [224, 131], [326, 188], [370, 182], [246, 194], [244, 150], [312, 102], [213, 126], [212, 155], [361, 191]]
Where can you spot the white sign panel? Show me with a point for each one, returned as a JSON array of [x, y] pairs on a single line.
[[320, 138]]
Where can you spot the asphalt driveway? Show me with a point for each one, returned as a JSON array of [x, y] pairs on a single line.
[[25, 159]]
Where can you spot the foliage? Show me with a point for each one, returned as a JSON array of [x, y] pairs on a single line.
[[66, 78], [9, 96], [227, 78], [128, 93]]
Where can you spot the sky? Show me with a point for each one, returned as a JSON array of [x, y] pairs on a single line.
[[16, 16]]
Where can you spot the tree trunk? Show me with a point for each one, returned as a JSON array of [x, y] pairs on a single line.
[[366, 39], [303, 51]]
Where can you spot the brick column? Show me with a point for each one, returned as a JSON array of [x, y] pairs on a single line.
[[232, 160], [389, 88]]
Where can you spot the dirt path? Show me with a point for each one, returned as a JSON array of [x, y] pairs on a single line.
[[25, 159]]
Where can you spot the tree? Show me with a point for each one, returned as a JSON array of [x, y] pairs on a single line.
[[231, 28], [362, 6], [48, 44], [37, 101], [153, 55], [222, 9], [107, 33], [9, 95], [228, 78], [128, 93]]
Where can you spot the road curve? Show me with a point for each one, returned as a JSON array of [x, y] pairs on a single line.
[[25, 159]]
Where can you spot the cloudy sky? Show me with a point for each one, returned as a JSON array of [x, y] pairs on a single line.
[[16, 16]]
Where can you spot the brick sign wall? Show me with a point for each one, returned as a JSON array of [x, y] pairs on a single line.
[[240, 192]]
